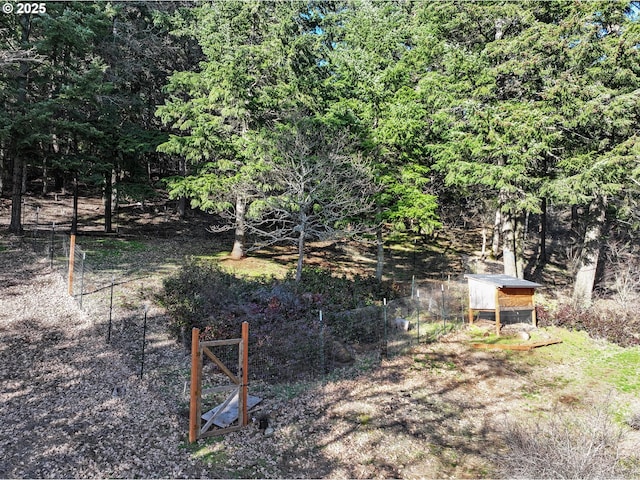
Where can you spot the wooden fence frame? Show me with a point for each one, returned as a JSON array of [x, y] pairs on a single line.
[[238, 387]]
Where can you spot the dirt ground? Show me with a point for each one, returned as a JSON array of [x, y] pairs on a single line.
[[74, 406]]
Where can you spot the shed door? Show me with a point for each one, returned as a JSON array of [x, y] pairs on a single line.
[[482, 296]]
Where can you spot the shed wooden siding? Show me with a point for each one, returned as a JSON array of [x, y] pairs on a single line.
[[516, 297]]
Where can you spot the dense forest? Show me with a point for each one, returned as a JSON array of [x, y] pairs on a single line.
[[300, 120]]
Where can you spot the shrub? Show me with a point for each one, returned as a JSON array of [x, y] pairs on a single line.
[[634, 421], [565, 446], [287, 338], [615, 325], [203, 296], [343, 293]]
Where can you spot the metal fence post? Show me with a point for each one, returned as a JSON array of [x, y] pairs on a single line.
[[144, 338], [418, 322], [84, 256], [385, 345], [444, 322], [322, 346], [52, 244], [113, 279]]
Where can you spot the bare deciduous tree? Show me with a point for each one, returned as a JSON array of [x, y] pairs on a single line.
[[322, 190]]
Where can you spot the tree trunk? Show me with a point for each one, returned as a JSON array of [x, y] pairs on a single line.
[[45, 176], [483, 250], [16, 196], [497, 225], [588, 264], [542, 231], [182, 201], [238, 250], [300, 255], [108, 206], [575, 221], [2, 167], [380, 255], [182, 207], [519, 243], [18, 165], [23, 180], [508, 245]]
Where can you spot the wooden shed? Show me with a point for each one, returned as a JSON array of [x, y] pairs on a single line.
[[500, 293]]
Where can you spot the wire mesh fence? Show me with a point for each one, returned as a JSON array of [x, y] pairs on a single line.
[[292, 350], [115, 303], [333, 340]]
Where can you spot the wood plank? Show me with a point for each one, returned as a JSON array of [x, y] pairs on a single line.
[[221, 365], [196, 381], [517, 347], [244, 371], [214, 413], [517, 297], [223, 388], [497, 305], [229, 413], [220, 343], [481, 296], [519, 292]]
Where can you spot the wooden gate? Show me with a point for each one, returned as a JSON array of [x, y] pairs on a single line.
[[237, 388]]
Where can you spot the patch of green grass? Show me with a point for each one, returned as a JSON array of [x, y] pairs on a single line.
[[251, 267], [210, 450], [599, 362], [287, 391], [427, 362], [619, 366], [104, 249], [364, 419]]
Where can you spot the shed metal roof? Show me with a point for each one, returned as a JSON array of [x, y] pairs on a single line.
[[502, 281]]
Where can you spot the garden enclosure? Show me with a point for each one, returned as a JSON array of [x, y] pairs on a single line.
[[115, 295]]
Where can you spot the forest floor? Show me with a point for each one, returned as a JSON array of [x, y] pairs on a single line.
[[75, 406]]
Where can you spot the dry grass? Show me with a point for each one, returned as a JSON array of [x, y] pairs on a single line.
[[571, 444]]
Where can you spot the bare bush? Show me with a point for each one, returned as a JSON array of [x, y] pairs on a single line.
[[617, 325], [634, 421], [622, 275], [568, 445]]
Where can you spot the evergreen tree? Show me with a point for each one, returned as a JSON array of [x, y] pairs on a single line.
[[374, 94], [255, 56], [597, 101], [497, 129]]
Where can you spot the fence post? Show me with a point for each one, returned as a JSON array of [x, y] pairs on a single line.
[[113, 279], [84, 256], [322, 346], [194, 404], [444, 321], [385, 345], [72, 257], [144, 338], [51, 246], [34, 233], [418, 297], [244, 421]]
